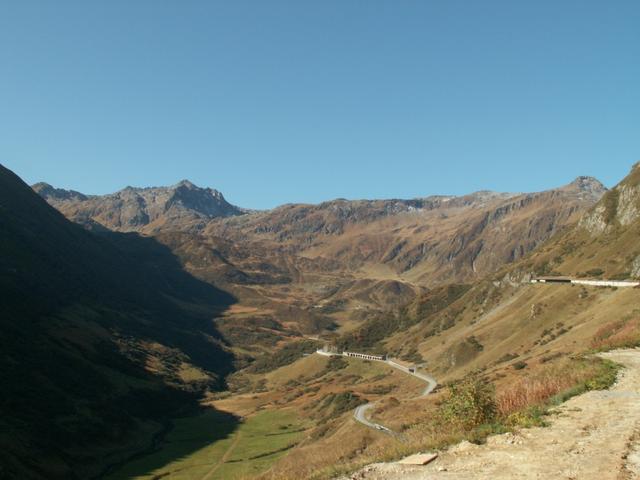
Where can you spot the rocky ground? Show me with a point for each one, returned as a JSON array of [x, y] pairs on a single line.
[[594, 436]]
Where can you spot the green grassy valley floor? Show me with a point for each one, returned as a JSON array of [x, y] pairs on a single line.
[[208, 447]]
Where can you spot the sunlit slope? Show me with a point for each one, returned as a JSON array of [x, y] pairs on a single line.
[[504, 320]]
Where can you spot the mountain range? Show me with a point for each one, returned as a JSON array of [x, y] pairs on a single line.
[[156, 296], [307, 268], [510, 320]]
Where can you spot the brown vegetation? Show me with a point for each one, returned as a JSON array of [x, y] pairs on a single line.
[[624, 333]]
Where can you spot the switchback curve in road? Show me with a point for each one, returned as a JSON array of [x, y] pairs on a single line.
[[360, 412]]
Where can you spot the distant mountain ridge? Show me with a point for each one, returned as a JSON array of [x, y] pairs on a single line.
[[133, 209], [149, 209]]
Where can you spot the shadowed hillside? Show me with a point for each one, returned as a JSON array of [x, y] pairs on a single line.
[[103, 338]]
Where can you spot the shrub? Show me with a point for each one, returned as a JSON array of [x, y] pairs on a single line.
[[413, 356], [470, 403], [335, 404], [369, 336], [287, 354], [542, 268], [336, 363], [507, 357], [595, 272], [620, 276], [528, 417]]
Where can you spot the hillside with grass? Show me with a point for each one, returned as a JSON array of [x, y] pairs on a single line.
[[506, 351]]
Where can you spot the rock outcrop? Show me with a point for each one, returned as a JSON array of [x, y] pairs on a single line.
[[142, 209]]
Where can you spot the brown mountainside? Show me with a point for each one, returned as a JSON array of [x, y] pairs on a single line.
[[425, 241], [504, 319], [504, 328], [308, 266], [513, 333]]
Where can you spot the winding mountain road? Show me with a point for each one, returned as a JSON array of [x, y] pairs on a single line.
[[360, 413]]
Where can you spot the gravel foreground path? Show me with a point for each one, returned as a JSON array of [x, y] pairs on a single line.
[[594, 436]]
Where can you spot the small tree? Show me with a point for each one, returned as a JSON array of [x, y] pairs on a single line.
[[471, 402]]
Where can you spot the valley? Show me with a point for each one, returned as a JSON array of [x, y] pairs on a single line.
[[449, 286], [305, 269], [335, 240]]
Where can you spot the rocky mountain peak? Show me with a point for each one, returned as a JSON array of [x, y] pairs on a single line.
[[588, 184], [48, 191], [135, 208], [186, 184]]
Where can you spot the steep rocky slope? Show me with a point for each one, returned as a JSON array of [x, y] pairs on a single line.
[[103, 337]]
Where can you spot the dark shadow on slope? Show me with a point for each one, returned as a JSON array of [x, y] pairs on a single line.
[[94, 332], [184, 306]]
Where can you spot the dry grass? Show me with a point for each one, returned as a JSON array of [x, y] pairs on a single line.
[[539, 389], [619, 334], [347, 446], [531, 391]]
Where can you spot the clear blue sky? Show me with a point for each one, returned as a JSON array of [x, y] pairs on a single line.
[[303, 101]]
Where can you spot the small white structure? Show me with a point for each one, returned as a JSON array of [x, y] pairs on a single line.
[[328, 351], [332, 352], [592, 283], [364, 356], [606, 283]]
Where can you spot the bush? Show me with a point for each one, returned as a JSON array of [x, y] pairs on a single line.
[[336, 363], [594, 272], [286, 355], [369, 336], [470, 403], [529, 417], [335, 404]]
